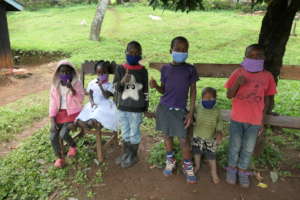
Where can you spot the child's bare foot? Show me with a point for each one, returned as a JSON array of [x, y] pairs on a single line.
[[215, 178]]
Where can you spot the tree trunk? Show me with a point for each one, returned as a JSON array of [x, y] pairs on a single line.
[[275, 33], [98, 20]]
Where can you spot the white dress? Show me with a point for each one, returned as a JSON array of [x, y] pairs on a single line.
[[105, 112]]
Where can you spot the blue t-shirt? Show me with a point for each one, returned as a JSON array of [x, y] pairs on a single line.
[[177, 79]]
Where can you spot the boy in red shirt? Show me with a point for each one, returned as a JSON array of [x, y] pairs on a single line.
[[249, 87]]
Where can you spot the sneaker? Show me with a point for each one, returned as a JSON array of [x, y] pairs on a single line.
[[59, 163], [170, 166], [231, 175], [244, 179], [189, 173], [72, 152]]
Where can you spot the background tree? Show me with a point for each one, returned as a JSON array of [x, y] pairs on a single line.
[[98, 20], [275, 29]]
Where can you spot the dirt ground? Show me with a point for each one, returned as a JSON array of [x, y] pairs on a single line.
[[142, 182], [39, 80]]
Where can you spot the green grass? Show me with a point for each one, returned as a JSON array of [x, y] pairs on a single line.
[[17, 116], [28, 173]]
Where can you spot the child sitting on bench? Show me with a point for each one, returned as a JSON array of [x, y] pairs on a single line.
[[66, 98], [100, 111]]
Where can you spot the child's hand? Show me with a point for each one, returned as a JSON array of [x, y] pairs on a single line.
[[261, 131], [188, 120], [241, 80], [153, 83], [126, 77], [219, 139], [53, 127]]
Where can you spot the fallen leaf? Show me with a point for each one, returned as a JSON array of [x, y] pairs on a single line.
[[262, 185]]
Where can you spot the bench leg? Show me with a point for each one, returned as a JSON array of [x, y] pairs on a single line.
[[99, 147], [116, 135]]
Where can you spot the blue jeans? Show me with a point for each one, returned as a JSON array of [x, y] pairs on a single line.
[[242, 141], [130, 123]]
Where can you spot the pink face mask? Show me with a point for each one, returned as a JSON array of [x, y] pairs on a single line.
[[253, 65]]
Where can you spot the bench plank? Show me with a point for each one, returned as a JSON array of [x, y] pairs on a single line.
[[289, 72], [280, 121]]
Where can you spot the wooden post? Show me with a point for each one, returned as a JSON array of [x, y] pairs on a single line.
[[99, 146], [5, 51]]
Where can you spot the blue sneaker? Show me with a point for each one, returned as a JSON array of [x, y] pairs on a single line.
[[170, 166], [189, 173]]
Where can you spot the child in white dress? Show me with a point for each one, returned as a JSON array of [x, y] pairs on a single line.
[[101, 110]]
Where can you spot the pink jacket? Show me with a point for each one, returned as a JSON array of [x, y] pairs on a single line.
[[74, 102]]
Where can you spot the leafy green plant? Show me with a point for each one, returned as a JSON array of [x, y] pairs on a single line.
[[157, 155]]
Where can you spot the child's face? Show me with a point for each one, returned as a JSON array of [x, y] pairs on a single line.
[[256, 54], [180, 46], [64, 70], [208, 97], [100, 70]]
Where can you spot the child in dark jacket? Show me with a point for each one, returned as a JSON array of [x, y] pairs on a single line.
[[131, 97]]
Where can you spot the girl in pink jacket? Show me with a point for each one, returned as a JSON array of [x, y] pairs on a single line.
[[66, 99]]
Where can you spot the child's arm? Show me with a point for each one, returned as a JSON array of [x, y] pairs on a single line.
[[120, 79], [231, 92], [105, 93], [189, 116], [153, 84], [53, 125], [91, 98], [267, 104]]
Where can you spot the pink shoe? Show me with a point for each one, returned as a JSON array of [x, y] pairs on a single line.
[[59, 163], [72, 152]]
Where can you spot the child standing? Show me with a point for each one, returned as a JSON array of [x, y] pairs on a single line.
[[100, 111], [131, 85], [207, 131], [172, 118], [66, 97], [249, 87]]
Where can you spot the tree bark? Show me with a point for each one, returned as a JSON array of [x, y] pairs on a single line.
[[275, 33], [98, 20]]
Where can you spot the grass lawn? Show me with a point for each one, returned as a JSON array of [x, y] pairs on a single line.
[[215, 37]]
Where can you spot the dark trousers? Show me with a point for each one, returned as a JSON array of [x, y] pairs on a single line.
[[63, 133]]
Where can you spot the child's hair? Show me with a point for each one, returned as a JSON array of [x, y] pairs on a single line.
[[108, 66], [134, 45], [179, 39], [254, 47], [209, 90]]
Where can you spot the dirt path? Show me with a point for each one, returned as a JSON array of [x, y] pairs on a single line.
[[5, 148], [20, 87], [143, 183]]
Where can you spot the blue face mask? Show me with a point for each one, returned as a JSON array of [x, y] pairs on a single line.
[[209, 104], [179, 57], [133, 60]]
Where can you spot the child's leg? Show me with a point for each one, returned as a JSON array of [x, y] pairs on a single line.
[[187, 161], [213, 171], [125, 125], [235, 142], [197, 161], [54, 138], [81, 124], [64, 134], [168, 140], [248, 145]]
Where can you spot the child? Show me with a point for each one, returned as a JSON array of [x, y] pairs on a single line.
[[66, 97], [249, 87], [177, 79], [131, 85], [207, 132], [100, 111]]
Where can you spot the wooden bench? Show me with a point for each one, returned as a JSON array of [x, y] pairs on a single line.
[[88, 67], [289, 72]]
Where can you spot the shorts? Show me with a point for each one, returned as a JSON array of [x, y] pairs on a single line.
[[205, 147]]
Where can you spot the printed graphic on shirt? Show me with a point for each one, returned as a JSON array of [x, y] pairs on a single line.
[[132, 89], [253, 94]]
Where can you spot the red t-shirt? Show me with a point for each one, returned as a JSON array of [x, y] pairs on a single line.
[[248, 104]]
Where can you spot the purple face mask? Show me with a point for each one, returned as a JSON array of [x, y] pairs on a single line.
[[253, 65], [65, 77], [103, 78]]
